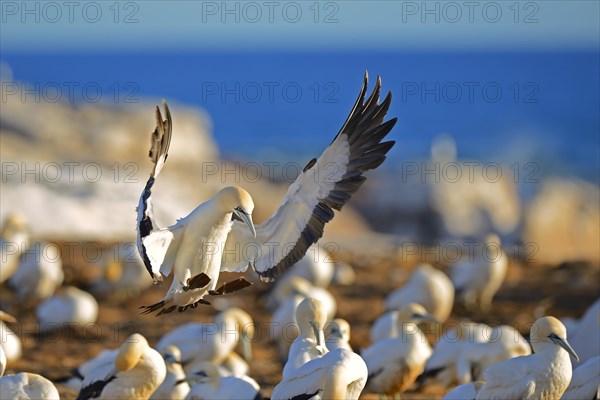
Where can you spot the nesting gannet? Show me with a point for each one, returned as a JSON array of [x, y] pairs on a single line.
[[207, 383], [136, 372], [14, 240], [427, 286], [9, 341], [585, 383], [74, 380], [395, 363], [211, 341], [69, 306], [585, 338], [174, 387], [478, 277], [314, 372], [337, 334], [122, 272], [207, 241], [543, 375], [39, 274], [284, 326], [25, 386]]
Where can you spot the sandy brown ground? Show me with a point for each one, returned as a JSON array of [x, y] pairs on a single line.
[[566, 290]]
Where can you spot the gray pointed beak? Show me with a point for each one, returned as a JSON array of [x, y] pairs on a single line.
[[247, 218], [565, 345], [316, 332]]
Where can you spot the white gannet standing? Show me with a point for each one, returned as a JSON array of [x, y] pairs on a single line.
[[136, 372], [478, 278], [294, 290], [9, 341], [207, 383], [14, 241], [543, 375], [585, 338], [69, 306], [585, 383], [25, 386], [174, 387], [314, 372], [204, 243], [428, 287], [395, 363], [211, 341], [39, 274], [442, 365], [337, 334]]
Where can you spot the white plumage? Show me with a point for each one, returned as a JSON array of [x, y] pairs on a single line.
[[136, 371], [337, 334], [14, 241], [25, 386], [211, 341], [585, 383], [207, 383], [10, 342], [204, 243], [69, 306], [427, 286], [395, 363], [174, 387], [479, 276], [542, 375], [585, 338]]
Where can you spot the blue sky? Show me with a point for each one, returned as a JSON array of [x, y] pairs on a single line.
[[288, 25]]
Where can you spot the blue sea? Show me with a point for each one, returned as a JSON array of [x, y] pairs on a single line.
[[521, 107]]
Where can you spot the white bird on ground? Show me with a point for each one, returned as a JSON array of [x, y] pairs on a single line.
[[136, 372], [9, 341], [543, 375], [39, 274], [478, 278], [174, 387], [337, 334], [442, 365], [468, 391], [585, 338], [316, 267], [395, 363], [74, 380], [14, 241], [122, 272], [234, 365], [427, 286], [204, 243], [314, 372], [69, 306], [207, 383], [284, 325], [2, 361], [25, 386], [211, 341], [585, 383]]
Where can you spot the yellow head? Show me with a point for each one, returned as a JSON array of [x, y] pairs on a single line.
[[311, 318], [171, 354], [234, 199], [338, 328], [550, 331], [414, 312], [205, 372], [13, 224], [130, 352]]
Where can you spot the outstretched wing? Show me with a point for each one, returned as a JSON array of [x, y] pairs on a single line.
[[153, 243], [325, 185]]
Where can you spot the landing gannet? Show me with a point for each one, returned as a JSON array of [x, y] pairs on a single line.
[[25, 386], [69, 306], [136, 371], [428, 287], [39, 274], [14, 240], [174, 387], [543, 375], [211, 341], [207, 383], [478, 278], [314, 372], [395, 363], [193, 249], [585, 383], [337, 334]]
